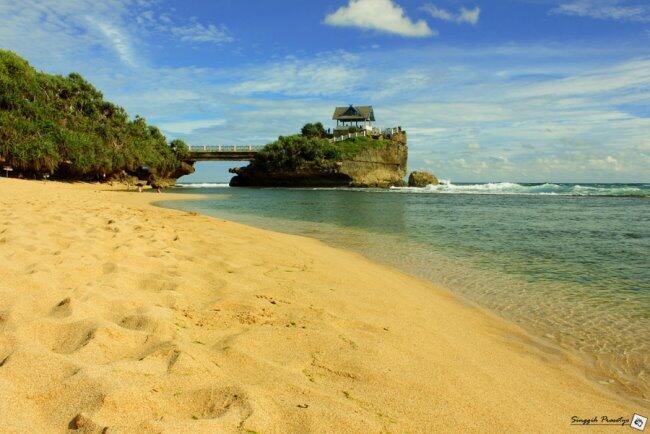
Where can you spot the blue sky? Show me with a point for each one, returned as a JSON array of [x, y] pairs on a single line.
[[519, 90]]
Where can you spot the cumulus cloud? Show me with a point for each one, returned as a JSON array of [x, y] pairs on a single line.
[[605, 10], [464, 15], [381, 15]]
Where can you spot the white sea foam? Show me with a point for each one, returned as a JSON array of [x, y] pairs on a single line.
[[505, 188], [447, 186]]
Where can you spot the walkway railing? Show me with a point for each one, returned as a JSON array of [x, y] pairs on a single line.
[[388, 132], [349, 136], [230, 148]]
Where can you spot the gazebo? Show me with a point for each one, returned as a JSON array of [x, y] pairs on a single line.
[[354, 116]]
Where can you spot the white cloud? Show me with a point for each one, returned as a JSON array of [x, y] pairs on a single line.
[[464, 15], [407, 81], [189, 127], [197, 32], [631, 75], [605, 10], [333, 75], [427, 131], [381, 15], [67, 33], [64, 35], [118, 39]]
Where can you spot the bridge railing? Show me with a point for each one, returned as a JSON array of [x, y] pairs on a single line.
[[227, 148]]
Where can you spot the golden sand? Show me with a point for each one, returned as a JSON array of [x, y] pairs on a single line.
[[118, 314]]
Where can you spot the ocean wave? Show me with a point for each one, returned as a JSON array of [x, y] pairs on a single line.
[[620, 190], [204, 185]]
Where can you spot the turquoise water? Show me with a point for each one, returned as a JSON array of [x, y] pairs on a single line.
[[569, 263]]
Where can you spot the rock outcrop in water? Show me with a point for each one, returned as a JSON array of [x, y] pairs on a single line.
[[379, 162], [422, 179]]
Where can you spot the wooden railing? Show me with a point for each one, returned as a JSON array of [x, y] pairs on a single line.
[[349, 136], [388, 132]]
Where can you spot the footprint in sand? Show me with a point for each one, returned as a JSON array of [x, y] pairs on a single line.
[[213, 403], [83, 423], [173, 358], [74, 336], [5, 353], [158, 285], [3, 320], [109, 267], [63, 309], [165, 355], [138, 323]]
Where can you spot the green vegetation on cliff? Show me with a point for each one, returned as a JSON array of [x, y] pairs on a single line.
[[295, 152], [310, 150], [50, 124], [313, 130], [351, 147]]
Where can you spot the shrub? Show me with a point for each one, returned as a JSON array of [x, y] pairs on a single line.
[[294, 152], [180, 149], [314, 130]]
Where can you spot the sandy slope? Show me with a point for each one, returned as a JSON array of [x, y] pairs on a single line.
[[117, 314]]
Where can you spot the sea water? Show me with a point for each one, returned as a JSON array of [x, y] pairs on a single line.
[[569, 263]]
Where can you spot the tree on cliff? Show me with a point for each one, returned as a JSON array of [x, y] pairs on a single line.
[[50, 124], [313, 130], [180, 149], [292, 152]]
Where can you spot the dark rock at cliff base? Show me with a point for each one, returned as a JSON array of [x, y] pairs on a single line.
[[182, 170], [422, 179], [156, 180]]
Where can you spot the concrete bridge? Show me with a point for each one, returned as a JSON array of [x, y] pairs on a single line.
[[223, 153]]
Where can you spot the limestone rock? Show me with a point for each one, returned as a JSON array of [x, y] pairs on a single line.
[[422, 179]]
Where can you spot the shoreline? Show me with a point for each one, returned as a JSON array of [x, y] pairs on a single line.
[[231, 324], [610, 374]]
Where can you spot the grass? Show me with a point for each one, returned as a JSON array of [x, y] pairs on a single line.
[[354, 145]]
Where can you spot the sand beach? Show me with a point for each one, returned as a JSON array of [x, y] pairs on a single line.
[[119, 316]]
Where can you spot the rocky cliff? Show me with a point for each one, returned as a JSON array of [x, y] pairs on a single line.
[[370, 167]]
